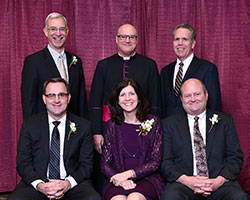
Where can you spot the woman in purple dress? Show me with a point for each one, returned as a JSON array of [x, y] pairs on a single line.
[[132, 150]]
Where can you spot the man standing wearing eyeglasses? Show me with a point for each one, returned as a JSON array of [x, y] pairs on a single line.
[[125, 64], [50, 62], [55, 151]]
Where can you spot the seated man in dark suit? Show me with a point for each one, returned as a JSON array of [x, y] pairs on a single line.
[[55, 151], [202, 157]]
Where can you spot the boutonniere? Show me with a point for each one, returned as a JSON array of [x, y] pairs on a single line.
[[214, 120], [146, 127], [73, 61], [72, 128]]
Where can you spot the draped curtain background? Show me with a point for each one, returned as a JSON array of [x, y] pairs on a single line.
[[222, 37]]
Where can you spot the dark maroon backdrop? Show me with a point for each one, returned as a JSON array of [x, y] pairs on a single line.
[[222, 37]]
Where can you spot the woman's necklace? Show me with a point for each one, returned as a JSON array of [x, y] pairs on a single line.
[[130, 155]]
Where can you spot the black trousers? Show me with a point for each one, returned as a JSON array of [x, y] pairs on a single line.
[[83, 191], [230, 190]]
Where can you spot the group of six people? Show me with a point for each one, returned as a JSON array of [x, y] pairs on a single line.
[[194, 153]]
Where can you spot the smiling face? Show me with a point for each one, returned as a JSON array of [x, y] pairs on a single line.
[[194, 98], [126, 47], [182, 43], [128, 99], [57, 106], [56, 32]]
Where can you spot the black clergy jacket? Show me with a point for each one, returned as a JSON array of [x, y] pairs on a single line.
[[109, 72]]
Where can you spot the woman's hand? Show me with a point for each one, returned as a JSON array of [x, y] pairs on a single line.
[[128, 184], [120, 177]]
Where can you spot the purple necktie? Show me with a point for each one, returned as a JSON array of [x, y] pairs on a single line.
[[200, 151], [178, 79]]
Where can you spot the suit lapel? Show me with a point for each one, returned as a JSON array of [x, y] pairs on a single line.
[[69, 59], [171, 78], [185, 135], [194, 65], [44, 128], [209, 133], [50, 64], [67, 141]]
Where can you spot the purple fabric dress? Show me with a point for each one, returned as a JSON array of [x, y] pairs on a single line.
[[124, 149]]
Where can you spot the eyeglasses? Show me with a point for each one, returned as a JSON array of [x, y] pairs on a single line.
[[54, 29], [53, 96], [124, 37]]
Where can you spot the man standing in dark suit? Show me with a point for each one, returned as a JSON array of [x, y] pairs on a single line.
[[202, 157], [55, 151], [51, 62], [187, 66]]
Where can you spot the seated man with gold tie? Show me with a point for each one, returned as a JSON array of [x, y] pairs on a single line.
[[202, 157], [55, 151]]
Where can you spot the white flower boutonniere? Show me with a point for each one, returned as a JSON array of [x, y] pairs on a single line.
[[72, 128], [73, 61], [146, 127], [214, 120]]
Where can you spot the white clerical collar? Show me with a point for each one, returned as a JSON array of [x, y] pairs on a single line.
[[126, 58]]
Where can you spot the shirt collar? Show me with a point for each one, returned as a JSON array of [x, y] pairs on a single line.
[[54, 53], [62, 120], [201, 116], [187, 61]]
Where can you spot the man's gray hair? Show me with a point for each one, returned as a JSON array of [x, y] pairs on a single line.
[[53, 16]]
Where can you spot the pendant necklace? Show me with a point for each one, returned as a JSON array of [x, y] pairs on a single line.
[[130, 155]]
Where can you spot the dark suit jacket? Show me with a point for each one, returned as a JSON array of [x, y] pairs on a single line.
[[224, 155], [198, 68], [40, 67], [33, 149]]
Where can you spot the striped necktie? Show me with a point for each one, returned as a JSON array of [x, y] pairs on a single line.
[[54, 161], [178, 79]]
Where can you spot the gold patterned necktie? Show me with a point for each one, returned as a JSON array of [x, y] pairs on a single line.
[[200, 150], [62, 68], [178, 79]]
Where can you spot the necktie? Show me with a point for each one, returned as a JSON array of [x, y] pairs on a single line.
[[62, 68], [200, 151], [178, 79], [54, 161]]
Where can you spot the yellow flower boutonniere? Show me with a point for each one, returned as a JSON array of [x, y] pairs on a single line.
[[214, 120], [73, 61], [72, 128]]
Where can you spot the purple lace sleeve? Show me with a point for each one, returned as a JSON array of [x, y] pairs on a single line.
[[152, 151], [107, 157]]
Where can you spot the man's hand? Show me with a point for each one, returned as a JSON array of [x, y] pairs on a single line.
[[211, 185], [192, 181], [128, 184], [98, 142], [54, 189], [117, 179]]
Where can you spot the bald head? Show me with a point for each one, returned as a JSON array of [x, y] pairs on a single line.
[[126, 40], [126, 27], [194, 96]]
